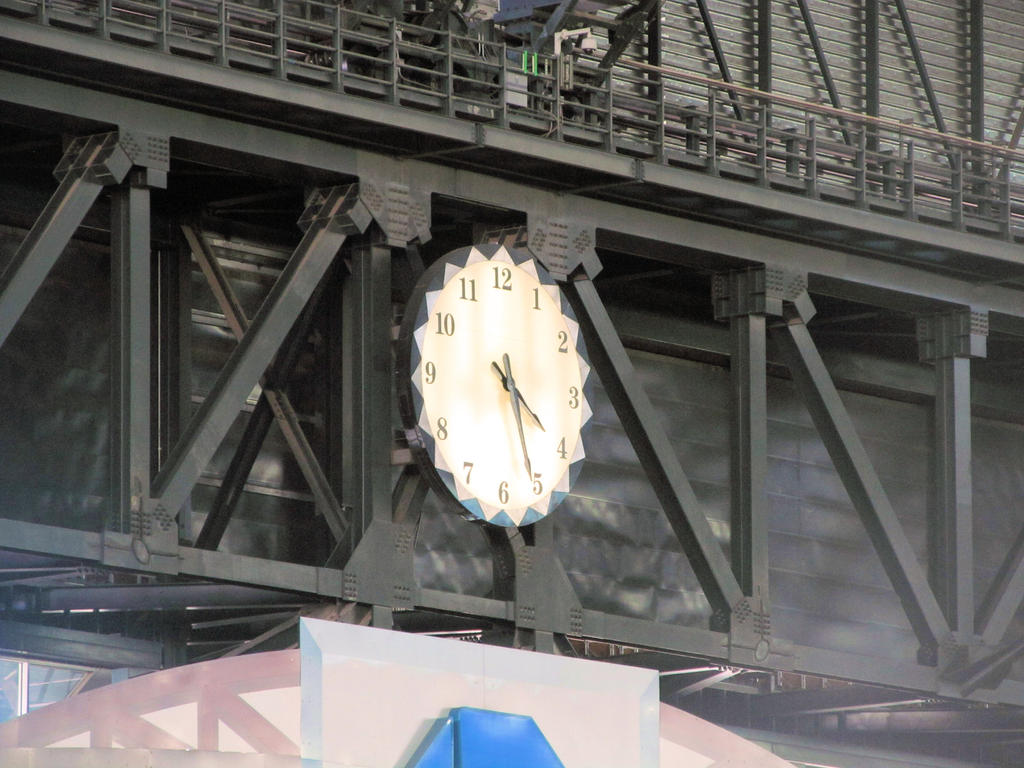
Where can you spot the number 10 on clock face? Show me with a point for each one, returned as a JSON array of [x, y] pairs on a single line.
[[501, 381]]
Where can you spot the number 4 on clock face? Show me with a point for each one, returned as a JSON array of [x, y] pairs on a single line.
[[495, 384]]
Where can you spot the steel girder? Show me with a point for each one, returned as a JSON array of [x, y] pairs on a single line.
[[855, 276], [87, 648]]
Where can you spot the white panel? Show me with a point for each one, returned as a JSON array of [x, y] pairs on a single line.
[[382, 691], [281, 707], [181, 722], [677, 756], [82, 739], [229, 741]]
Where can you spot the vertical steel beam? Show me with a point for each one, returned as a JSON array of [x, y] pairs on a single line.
[[951, 534], [130, 326], [87, 166], [949, 341], [863, 485], [922, 70], [749, 454], [172, 326], [764, 45], [656, 454], [330, 220], [976, 52], [366, 388], [872, 66]]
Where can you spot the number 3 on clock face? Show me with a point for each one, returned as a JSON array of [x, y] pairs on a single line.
[[494, 384]]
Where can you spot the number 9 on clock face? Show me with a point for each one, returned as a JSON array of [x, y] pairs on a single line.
[[494, 384]]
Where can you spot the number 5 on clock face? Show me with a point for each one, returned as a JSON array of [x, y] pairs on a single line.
[[495, 384]]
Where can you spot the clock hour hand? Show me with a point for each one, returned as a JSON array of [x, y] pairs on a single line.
[[513, 394], [504, 383]]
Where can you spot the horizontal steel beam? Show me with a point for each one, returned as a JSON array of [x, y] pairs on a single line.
[[163, 597], [76, 647], [826, 700], [329, 157], [313, 580]]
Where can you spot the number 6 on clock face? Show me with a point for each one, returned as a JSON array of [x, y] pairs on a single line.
[[494, 384]]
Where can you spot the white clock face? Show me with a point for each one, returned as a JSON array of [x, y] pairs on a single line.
[[493, 335]]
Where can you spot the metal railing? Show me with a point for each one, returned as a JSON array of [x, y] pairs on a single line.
[[657, 113]]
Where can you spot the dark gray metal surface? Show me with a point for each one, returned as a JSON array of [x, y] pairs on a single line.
[[830, 468]]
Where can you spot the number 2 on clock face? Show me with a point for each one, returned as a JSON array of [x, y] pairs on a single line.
[[505, 410]]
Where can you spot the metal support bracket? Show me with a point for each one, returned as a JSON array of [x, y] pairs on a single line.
[[153, 540], [563, 246], [545, 602], [858, 475]]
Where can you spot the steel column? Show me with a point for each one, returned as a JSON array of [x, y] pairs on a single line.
[[88, 165], [335, 214], [951, 534], [749, 455], [366, 388], [862, 484], [976, 52], [764, 45], [949, 341], [130, 355], [872, 68], [643, 427]]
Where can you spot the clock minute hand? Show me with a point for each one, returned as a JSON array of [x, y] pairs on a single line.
[[522, 400], [513, 394]]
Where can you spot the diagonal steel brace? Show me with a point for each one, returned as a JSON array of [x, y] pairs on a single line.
[[88, 165], [656, 454], [332, 216], [860, 479], [277, 399]]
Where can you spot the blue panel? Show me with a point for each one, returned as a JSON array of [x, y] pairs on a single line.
[[485, 739], [531, 516], [438, 749], [502, 518]]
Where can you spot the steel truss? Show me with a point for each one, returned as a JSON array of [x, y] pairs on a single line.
[[373, 525]]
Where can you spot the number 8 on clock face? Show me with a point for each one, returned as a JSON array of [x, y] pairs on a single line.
[[494, 384]]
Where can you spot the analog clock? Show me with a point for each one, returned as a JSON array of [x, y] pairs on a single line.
[[494, 384]]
